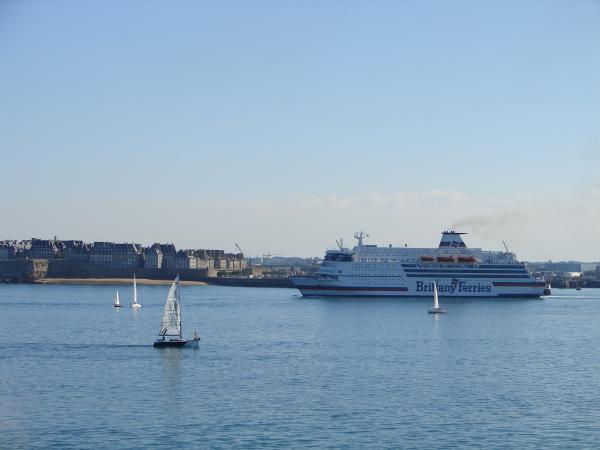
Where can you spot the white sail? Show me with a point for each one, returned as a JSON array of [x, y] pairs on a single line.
[[171, 319], [117, 301], [436, 304], [134, 301]]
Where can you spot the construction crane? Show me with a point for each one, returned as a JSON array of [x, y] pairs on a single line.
[[239, 248]]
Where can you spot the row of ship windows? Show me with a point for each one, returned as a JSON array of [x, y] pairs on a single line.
[[380, 282], [456, 275], [423, 275], [434, 268], [364, 274], [369, 266], [466, 271], [357, 275], [406, 262], [372, 260]]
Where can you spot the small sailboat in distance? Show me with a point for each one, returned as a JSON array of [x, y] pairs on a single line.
[[134, 301], [170, 334], [436, 305], [117, 301]]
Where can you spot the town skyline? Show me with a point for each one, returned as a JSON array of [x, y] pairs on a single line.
[[122, 255], [142, 250]]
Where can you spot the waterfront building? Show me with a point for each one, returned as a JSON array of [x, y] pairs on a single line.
[[21, 249], [192, 259], [168, 256], [7, 249], [210, 259], [123, 256], [203, 259], [185, 259], [218, 257], [75, 250], [44, 249], [235, 261], [117, 256], [153, 257], [563, 266]]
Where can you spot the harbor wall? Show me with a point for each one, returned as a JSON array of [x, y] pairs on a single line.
[[30, 270], [23, 270], [61, 268], [250, 282]]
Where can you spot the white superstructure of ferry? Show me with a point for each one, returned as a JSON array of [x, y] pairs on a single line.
[[459, 271]]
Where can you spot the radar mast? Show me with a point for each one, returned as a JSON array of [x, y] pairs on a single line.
[[359, 237]]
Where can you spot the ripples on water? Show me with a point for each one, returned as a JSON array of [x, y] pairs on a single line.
[[275, 370]]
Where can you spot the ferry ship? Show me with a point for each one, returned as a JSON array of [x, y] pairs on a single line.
[[459, 271]]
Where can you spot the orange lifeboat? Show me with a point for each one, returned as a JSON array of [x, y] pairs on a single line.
[[445, 259], [467, 259], [427, 258]]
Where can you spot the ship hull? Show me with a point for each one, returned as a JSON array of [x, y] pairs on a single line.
[[463, 288]]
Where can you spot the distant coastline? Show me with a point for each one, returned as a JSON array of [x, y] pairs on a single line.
[[113, 281]]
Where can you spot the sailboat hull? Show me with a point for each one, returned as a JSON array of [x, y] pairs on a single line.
[[170, 343], [193, 343]]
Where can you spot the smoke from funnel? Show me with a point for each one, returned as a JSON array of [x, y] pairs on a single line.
[[482, 223]]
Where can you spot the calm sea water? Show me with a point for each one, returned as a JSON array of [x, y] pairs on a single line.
[[275, 370]]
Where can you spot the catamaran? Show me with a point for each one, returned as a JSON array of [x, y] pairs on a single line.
[[170, 334], [134, 301], [436, 304], [117, 301]]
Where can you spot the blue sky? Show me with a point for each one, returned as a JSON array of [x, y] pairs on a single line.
[[283, 125]]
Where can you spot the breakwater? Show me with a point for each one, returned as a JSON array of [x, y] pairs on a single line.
[[249, 282]]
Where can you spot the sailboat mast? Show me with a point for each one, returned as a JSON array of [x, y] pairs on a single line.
[[435, 296]]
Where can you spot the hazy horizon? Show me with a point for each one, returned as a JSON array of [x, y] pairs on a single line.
[[285, 126]]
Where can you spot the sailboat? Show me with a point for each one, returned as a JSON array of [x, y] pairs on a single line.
[[169, 334], [134, 302], [436, 305], [117, 301]]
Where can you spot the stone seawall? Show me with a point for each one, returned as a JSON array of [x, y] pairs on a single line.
[[73, 269], [250, 282], [30, 270], [22, 270]]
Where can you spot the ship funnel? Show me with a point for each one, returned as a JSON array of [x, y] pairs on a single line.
[[452, 239]]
